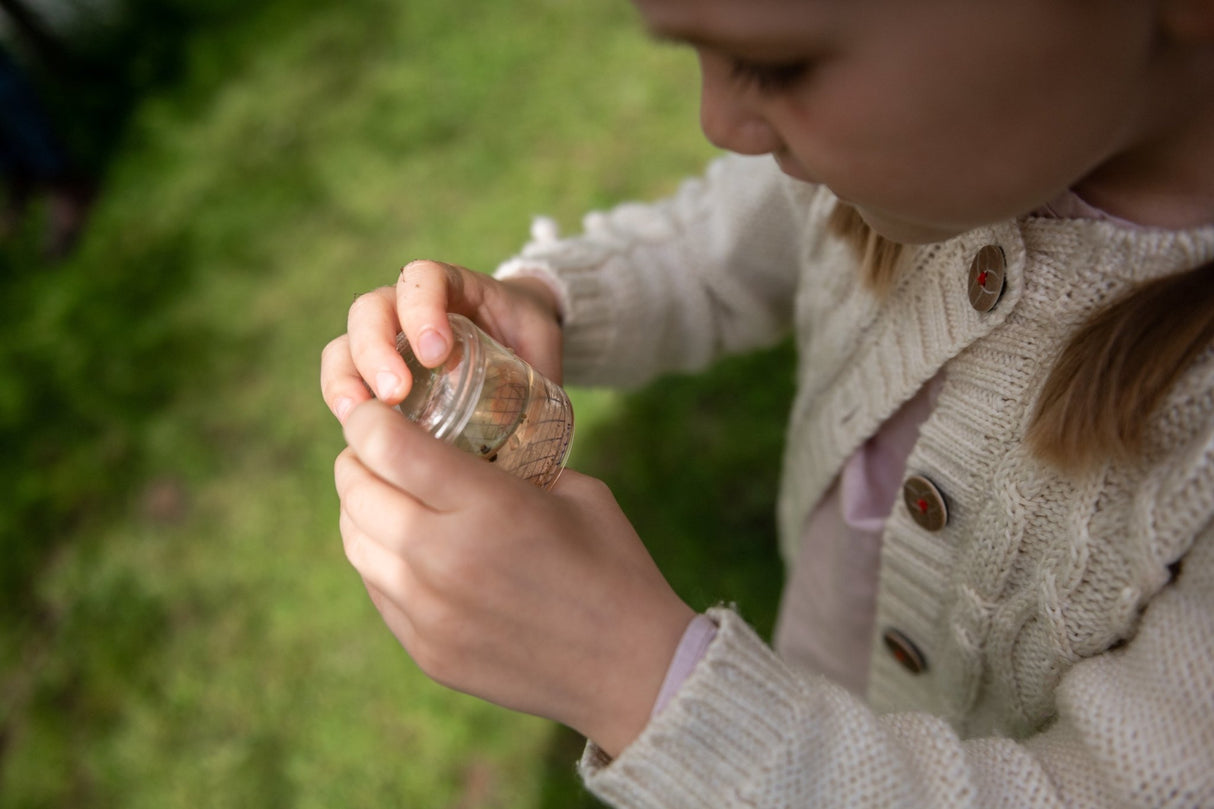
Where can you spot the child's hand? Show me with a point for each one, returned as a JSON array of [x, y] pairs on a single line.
[[520, 314], [543, 602]]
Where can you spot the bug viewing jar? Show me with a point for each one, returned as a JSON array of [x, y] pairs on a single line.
[[487, 401]]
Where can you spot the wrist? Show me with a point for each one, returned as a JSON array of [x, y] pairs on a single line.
[[540, 292], [692, 648], [624, 703]]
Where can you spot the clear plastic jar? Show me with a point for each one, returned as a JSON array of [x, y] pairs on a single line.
[[487, 401]]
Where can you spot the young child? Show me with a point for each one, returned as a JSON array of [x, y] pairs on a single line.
[[991, 225]]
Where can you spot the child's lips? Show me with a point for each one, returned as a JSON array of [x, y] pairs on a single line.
[[793, 169]]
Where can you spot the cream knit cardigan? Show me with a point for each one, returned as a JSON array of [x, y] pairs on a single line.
[[1068, 663]]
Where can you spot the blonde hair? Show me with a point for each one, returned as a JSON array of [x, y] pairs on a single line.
[[1117, 368], [879, 256], [1112, 373]]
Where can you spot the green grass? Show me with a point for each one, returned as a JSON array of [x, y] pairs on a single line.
[[180, 627]]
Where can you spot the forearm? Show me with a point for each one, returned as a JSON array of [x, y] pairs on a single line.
[[745, 730], [647, 289]]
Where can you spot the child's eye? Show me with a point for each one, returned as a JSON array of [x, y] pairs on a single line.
[[768, 77]]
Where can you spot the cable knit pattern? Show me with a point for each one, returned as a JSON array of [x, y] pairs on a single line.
[[1066, 664]]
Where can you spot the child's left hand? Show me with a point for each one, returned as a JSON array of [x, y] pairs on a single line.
[[543, 602]]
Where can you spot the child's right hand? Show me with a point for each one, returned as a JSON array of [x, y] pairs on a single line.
[[520, 314]]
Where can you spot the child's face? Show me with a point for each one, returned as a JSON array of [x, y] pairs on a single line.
[[932, 116]]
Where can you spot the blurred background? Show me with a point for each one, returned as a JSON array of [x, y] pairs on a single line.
[[195, 192]]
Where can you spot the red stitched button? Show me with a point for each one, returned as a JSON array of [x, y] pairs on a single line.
[[925, 503], [904, 650], [987, 277]]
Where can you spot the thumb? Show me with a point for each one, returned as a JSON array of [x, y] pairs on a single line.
[[407, 457]]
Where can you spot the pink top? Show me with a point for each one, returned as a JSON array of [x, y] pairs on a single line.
[[826, 617], [830, 599]]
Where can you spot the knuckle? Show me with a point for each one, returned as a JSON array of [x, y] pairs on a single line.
[[395, 523], [341, 468], [335, 348], [454, 276], [592, 487], [334, 357], [443, 570], [377, 445], [385, 448], [372, 301], [352, 543], [419, 270], [427, 273], [406, 447], [356, 503], [361, 304], [332, 388], [396, 535]]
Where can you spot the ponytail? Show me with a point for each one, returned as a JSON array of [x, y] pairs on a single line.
[[1118, 367]]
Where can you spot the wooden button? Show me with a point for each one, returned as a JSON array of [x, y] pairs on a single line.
[[925, 503], [904, 651], [987, 274]]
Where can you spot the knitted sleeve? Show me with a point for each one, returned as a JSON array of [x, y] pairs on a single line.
[[672, 285], [1134, 728]]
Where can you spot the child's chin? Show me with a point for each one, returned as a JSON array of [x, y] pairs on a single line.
[[904, 232]]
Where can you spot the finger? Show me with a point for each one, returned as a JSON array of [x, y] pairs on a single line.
[[354, 542], [373, 562], [340, 383], [425, 292], [387, 515], [544, 353], [435, 636], [406, 456], [385, 577], [573, 484], [391, 588], [372, 327], [541, 343]]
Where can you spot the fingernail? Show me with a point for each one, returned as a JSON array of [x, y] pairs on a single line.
[[386, 384], [342, 408], [430, 348]]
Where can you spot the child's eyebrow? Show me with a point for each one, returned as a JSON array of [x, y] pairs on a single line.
[[700, 39], [682, 31], [785, 26], [669, 37], [696, 40]]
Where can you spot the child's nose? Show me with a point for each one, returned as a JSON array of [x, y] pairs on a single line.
[[730, 119]]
